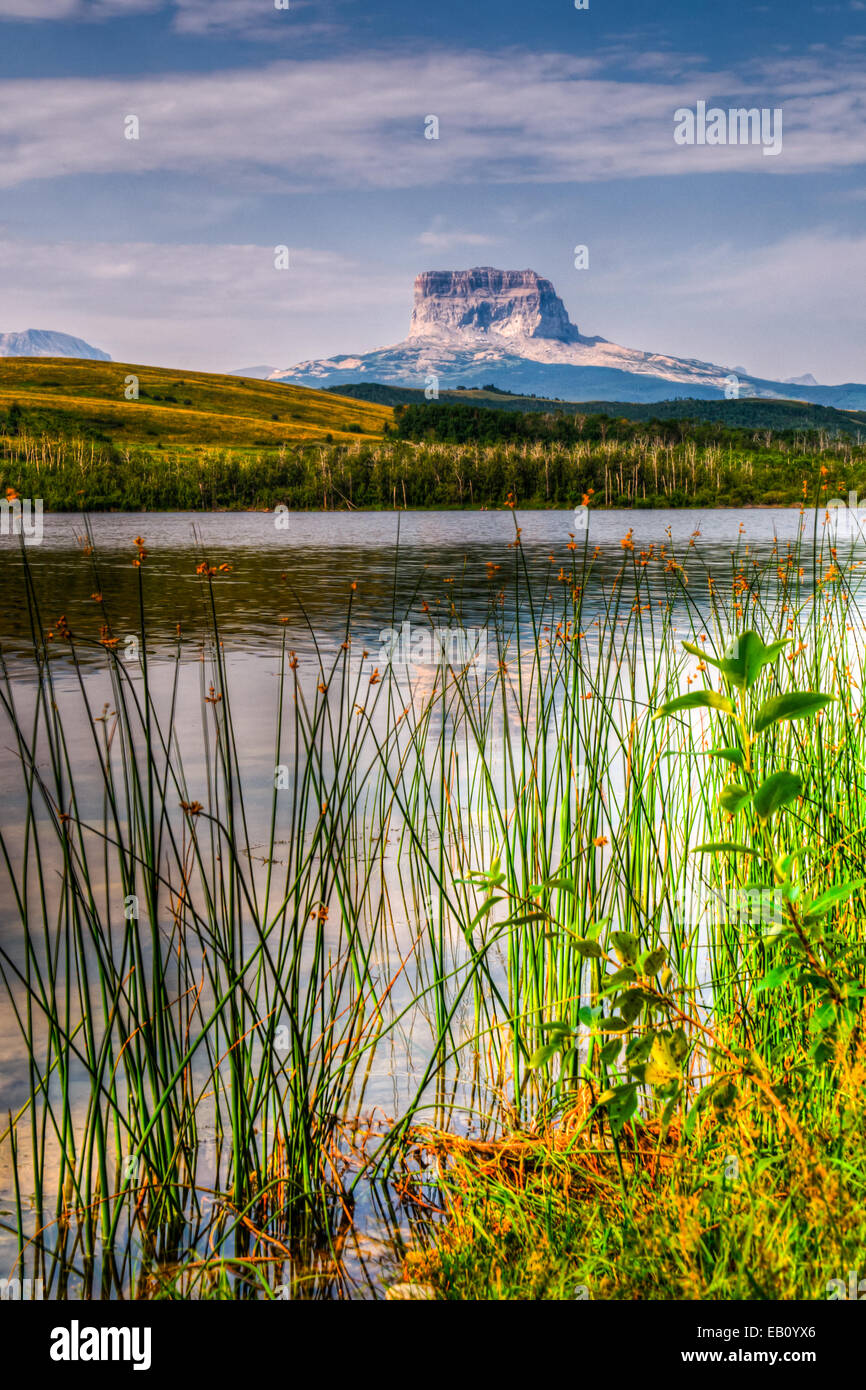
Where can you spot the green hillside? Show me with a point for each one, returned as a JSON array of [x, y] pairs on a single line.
[[199, 441], [748, 413], [64, 396]]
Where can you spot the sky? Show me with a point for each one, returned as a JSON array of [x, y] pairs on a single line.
[[305, 127]]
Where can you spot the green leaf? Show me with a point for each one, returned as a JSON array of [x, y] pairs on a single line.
[[823, 1018], [780, 975], [487, 906], [776, 791], [611, 1051], [733, 798], [701, 1101], [819, 907], [566, 884], [698, 699], [746, 657], [724, 1096], [662, 1066], [543, 1055], [611, 1025], [587, 948], [630, 1004], [797, 705], [638, 1050], [669, 1112], [728, 755], [768, 657], [756, 656], [679, 1044], [613, 982], [621, 1106], [695, 650], [652, 962], [785, 863], [723, 664], [627, 947], [725, 847]]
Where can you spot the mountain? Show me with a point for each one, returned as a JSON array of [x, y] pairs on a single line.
[[511, 304], [42, 342], [471, 327], [263, 373]]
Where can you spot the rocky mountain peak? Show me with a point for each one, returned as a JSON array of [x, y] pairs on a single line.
[[508, 303]]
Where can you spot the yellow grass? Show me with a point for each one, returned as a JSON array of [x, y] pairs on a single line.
[[230, 411]]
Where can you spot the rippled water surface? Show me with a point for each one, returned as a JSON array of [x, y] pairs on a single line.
[[395, 559]]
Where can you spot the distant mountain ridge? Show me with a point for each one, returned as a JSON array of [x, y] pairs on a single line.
[[43, 342], [469, 327], [751, 413]]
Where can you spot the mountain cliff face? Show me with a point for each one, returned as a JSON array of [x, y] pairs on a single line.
[[514, 304], [509, 327], [42, 342]]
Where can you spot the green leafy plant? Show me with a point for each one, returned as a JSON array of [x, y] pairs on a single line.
[[809, 955], [632, 998], [640, 1034]]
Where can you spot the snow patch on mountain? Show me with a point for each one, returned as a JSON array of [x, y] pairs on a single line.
[[472, 327]]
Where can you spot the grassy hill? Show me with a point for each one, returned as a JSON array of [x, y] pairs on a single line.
[[65, 396], [200, 441]]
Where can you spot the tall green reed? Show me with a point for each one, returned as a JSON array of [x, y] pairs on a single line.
[[447, 859]]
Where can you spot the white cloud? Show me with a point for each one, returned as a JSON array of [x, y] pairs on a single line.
[[34, 10], [254, 19], [358, 122], [201, 306], [819, 272], [38, 9], [441, 237], [781, 308]]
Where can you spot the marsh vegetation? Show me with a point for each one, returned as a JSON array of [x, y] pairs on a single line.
[[440, 940]]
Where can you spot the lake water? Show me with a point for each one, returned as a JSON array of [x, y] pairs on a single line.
[[395, 559], [288, 588]]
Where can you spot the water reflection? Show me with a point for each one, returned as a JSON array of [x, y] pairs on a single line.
[[297, 582]]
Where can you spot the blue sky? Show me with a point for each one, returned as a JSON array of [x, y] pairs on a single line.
[[305, 127]]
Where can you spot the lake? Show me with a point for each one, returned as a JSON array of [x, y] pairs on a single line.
[[395, 559], [372, 809]]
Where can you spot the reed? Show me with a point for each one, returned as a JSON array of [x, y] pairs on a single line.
[[218, 953]]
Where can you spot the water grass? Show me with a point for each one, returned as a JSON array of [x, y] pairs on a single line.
[[221, 954]]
